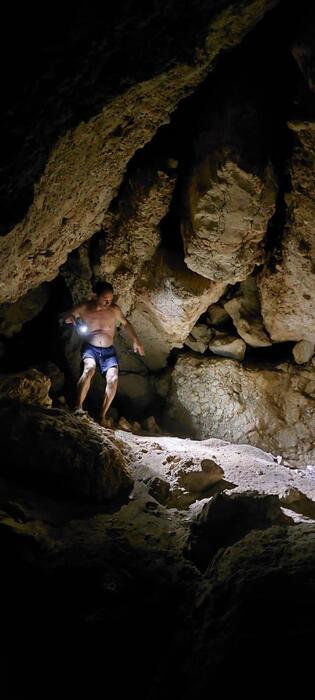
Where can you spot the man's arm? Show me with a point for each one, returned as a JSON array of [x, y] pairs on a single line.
[[137, 346]]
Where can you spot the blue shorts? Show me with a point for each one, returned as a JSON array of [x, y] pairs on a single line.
[[104, 358]]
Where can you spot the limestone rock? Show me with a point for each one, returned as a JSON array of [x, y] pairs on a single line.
[[177, 472], [220, 243], [196, 345], [272, 565], [287, 285], [151, 426], [217, 315], [132, 233], [201, 332], [227, 518], [303, 351], [169, 300], [270, 408], [61, 455], [12, 316], [228, 346], [86, 166], [123, 424], [31, 387], [244, 309], [232, 189]]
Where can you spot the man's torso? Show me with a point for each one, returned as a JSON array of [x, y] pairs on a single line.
[[101, 324]]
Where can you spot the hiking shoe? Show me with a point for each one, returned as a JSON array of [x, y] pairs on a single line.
[[80, 412]]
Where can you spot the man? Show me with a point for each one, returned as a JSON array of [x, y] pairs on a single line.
[[100, 315]]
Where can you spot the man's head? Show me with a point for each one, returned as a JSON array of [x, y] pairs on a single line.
[[104, 294]]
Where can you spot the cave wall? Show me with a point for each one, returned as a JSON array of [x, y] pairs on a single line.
[[183, 175]]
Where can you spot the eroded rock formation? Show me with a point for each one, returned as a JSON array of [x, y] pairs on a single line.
[[231, 192], [287, 290], [272, 408]]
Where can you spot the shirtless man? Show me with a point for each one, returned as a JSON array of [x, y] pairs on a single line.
[[100, 315]]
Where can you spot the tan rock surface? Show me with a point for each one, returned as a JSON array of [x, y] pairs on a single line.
[[287, 290], [86, 167], [270, 408], [31, 387], [132, 234], [244, 309], [61, 455], [303, 351], [228, 346], [169, 300], [229, 210]]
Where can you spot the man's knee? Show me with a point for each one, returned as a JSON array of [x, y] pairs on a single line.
[[88, 371], [112, 382]]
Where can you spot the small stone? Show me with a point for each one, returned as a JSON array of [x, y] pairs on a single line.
[[303, 351]]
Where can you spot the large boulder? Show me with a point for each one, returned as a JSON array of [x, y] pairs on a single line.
[[256, 602], [232, 189], [169, 300], [132, 232], [61, 455], [270, 408]]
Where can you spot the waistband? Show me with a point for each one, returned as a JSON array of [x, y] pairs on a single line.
[[99, 347]]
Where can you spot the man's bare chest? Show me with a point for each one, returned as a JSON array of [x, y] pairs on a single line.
[[103, 319]]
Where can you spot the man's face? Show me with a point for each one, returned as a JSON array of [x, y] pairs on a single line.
[[105, 299]]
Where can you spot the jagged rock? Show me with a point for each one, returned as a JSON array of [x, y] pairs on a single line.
[[232, 188], [297, 501], [201, 332], [244, 309], [124, 424], [287, 285], [132, 234], [177, 472], [196, 345], [169, 300], [151, 426], [199, 337], [61, 455], [31, 387], [228, 346], [303, 351], [86, 166], [217, 315], [227, 518], [12, 316], [270, 408], [260, 577]]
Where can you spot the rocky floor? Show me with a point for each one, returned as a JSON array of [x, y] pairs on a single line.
[[160, 569]]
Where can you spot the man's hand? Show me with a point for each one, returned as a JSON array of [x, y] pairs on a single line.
[[138, 347]]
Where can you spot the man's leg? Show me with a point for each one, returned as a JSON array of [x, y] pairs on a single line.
[[111, 388], [84, 382]]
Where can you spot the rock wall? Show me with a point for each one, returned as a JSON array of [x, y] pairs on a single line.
[[270, 408]]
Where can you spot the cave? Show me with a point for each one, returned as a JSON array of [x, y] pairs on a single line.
[[157, 349]]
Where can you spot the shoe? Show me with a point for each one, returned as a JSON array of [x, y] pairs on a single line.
[[80, 412]]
